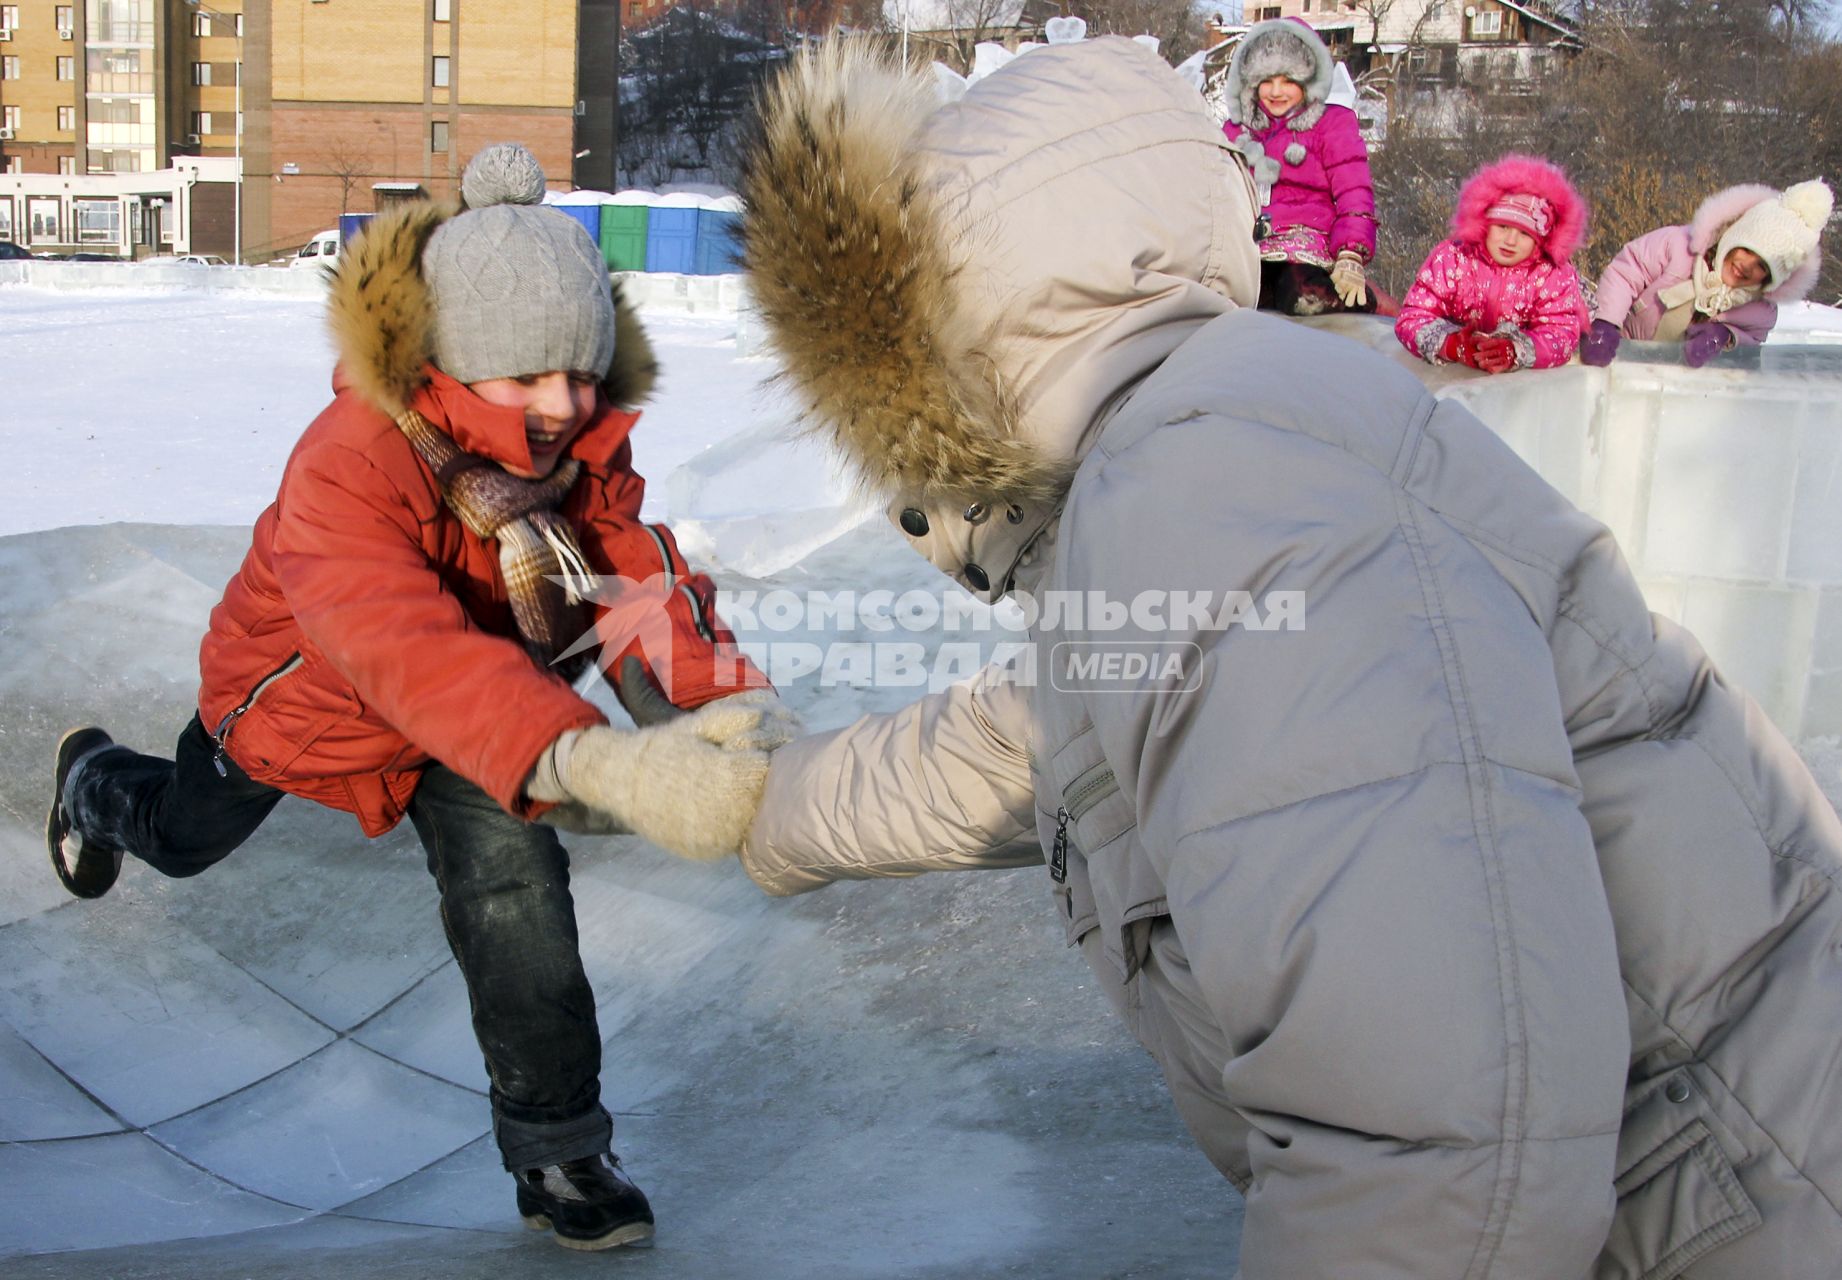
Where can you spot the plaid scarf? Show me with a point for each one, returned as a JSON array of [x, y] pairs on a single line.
[[536, 545]]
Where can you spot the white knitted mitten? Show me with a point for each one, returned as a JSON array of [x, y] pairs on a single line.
[[690, 785]]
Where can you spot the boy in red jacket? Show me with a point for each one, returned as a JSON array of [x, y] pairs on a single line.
[[401, 638]]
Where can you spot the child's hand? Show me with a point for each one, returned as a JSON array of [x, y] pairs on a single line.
[[1485, 351], [1350, 280], [1704, 341], [1601, 344]]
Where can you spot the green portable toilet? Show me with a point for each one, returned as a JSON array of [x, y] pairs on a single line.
[[623, 230]]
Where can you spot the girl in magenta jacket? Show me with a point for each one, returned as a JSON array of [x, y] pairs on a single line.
[[1717, 282], [1502, 293], [1310, 167]]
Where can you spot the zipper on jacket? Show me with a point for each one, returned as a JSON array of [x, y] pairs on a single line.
[[1089, 790], [1078, 797], [697, 613], [665, 557], [1058, 853], [229, 722]]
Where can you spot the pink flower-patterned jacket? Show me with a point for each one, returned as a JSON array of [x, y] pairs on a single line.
[[1460, 288]]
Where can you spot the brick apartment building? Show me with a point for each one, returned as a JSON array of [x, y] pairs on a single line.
[[344, 103]]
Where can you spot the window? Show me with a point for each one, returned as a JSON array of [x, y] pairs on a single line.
[[201, 24], [1487, 24], [67, 68], [1268, 13], [9, 67], [67, 164], [201, 73], [12, 165], [64, 18], [9, 16], [438, 136], [442, 10], [42, 218], [9, 117], [99, 221], [441, 73], [67, 118], [6, 219], [201, 123]]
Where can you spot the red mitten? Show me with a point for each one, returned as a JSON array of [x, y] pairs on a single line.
[[1494, 354]]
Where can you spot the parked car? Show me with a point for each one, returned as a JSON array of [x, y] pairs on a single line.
[[322, 250], [10, 251], [202, 260]]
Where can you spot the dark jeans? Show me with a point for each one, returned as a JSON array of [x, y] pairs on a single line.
[[505, 904], [1300, 289]]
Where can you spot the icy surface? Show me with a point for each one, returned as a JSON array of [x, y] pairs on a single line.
[[268, 1070]]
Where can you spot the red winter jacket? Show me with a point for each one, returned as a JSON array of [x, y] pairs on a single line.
[[368, 632]]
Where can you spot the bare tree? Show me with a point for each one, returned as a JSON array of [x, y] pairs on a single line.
[[346, 161]]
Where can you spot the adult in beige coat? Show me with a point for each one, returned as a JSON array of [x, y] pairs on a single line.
[[1365, 888]]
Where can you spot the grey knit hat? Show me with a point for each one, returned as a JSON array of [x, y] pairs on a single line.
[[516, 288]]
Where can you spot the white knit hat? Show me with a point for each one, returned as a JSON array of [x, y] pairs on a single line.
[[1784, 231], [516, 288]]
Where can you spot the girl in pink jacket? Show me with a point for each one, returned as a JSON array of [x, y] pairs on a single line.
[[1502, 293], [1717, 282], [1311, 170]]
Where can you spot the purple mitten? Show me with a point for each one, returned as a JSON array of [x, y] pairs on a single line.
[[1704, 341], [1601, 344]]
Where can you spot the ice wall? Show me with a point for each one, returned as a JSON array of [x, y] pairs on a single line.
[[1723, 486]]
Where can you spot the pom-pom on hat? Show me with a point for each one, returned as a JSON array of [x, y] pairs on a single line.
[[1785, 231], [516, 288]]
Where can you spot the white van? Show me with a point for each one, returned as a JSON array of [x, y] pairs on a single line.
[[322, 249]]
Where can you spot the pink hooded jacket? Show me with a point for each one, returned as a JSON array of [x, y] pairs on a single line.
[[1538, 303], [1663, 258]]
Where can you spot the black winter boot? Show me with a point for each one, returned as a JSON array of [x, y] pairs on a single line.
[[86, 867], [588, 1203]]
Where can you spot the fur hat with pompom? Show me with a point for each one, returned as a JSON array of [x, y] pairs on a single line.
[[1784, 231], [516, 288]]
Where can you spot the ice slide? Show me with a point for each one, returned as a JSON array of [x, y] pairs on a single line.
[[268, 1070]]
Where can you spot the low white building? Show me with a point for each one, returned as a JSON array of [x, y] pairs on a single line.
[[189, 208]]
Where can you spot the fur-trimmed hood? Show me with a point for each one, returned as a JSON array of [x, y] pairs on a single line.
[[1722, 209], [1280, 47], [958, 293], [1528, 175], [380, 315]]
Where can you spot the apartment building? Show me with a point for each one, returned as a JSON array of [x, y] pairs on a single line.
[[41, 98], [324, 106]]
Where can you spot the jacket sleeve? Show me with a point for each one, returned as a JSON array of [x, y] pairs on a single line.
[[1404, 942], [1751, 322], [1560, 318], [1632, 270], [941, 785], [349, 558], [1352, 190], [651, 605], [1426, 315]]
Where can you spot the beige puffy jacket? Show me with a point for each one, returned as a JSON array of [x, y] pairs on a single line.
[[1385, 871]]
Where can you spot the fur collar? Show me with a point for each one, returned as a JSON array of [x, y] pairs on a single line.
[[848, 256], [379, 313]]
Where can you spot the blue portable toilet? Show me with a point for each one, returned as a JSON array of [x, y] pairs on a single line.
[[350, 224], [719, 238], [671, 234], [589, 215]]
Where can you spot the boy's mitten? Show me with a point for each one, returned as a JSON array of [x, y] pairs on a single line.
[[690, 785], [1601, 344], [1704, 341], [1349, 279]]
